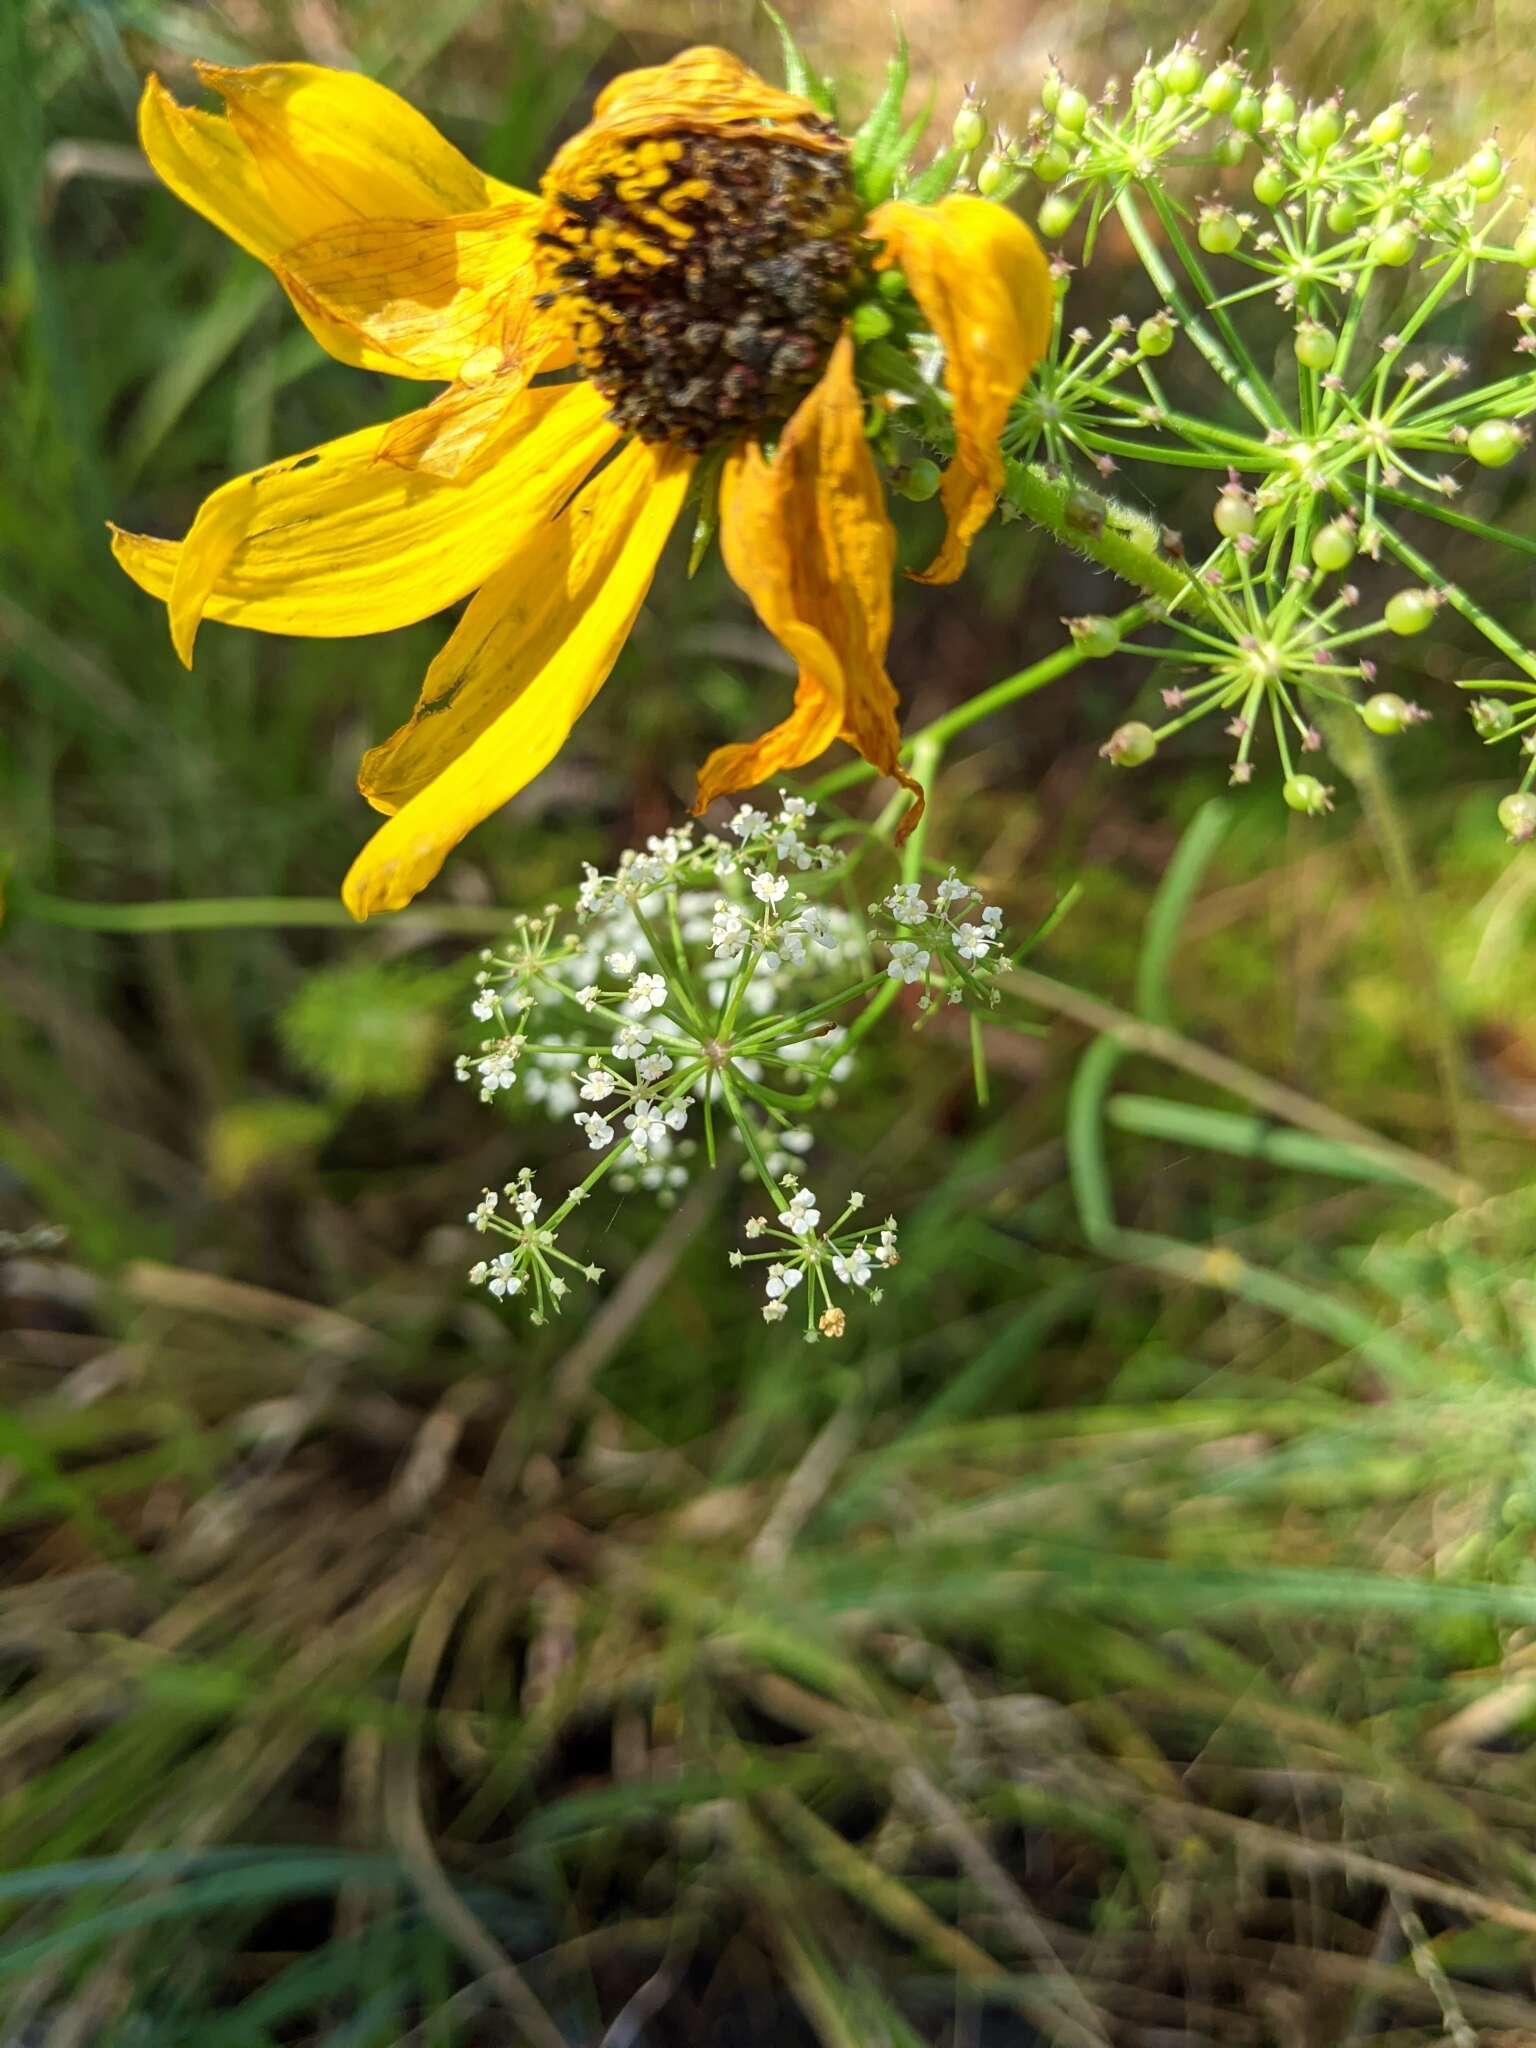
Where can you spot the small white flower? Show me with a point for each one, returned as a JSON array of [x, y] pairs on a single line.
[[597, 1084], [652, 1066], [620, 962], [631, 1041], [789, 846], [781, 1280], [747, 821], [645, 1124], [677, 1115], [853, 1268], [800, 1142], [774, 1311], [972, 943], [793, 810], [728, 931], [646, 992], [756, 1225], [992, 916], [769, 888], [907, 904], [909, 962], [801, 1214], [500, 1274], [953, 890], [498, 1068], [480, 1216], [598, 1129], [817, 926], [484, 1005], [587, 997]]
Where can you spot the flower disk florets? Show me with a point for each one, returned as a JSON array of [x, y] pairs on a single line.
[[706, 277]]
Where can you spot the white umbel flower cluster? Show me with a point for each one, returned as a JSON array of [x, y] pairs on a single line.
[[710, 992], [804, 1263], [952, 943]]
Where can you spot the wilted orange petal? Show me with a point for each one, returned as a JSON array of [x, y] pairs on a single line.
[[807, 537], [702, 90], [985, 289]]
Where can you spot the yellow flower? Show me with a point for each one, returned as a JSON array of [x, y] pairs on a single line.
[[687, 268]]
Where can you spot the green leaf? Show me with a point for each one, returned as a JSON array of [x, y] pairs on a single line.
[[798, 75], [882, 124]]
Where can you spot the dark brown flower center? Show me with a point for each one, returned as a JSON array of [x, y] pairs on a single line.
[[707, 277]]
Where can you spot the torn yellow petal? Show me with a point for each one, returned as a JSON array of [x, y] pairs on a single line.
[[466, 427], [701, 90], [526, 660], [303, 151], [424, 296], [807, 538], [337, 542], [985, 289]]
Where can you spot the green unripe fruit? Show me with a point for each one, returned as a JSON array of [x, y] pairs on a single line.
[[1095, 635], [1233, 514], [1386, 713], [1128, 746], [1418, 156], [1306, 794], [1222, 90], [870, 322], [1052, 163], [1494, 442], [970, 127], [1248, 113], [1491, 717], [1319, 129], [918, 479], [1154, 337], [991, 177], [1525, 244], [1071, 109], [1056, 214], [1394, 245], [1484, 168], [1269, 183], [1219, 232], [891, 284], [1231, 149], [1315, 345], [1279, 109], [1050, 90], [1149, 92], [1333, 547], [1389, 125], [1182, 71], [1517, 814], [1409, 611], [1342, 216]]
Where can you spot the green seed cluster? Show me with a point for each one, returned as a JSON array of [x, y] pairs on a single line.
[[1312, 264]]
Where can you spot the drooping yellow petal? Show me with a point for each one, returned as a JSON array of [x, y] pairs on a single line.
[[807, 537], [337, 542], [303, 151], [526, 660], [703, 91], [422, 296], [985, 289]]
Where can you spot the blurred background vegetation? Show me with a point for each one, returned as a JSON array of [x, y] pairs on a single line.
[[1129, 1638]]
